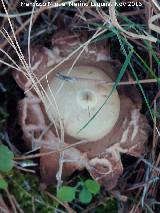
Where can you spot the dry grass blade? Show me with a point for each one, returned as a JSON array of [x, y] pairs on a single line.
[[156, 4], [76, 79], [67, 207], [14, 36], [10, 41], [152, 26], [50, 152], [84, 45], [11, 201], [115, 23]]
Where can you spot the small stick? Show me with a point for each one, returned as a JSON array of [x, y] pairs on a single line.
[[11, 201], [75, 79], [70, 210]]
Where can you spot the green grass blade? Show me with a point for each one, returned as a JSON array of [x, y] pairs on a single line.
[[121, 73]]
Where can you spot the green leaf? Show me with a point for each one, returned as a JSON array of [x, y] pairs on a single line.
[[3, 184], [66, 193], [85, 196], [6, 159], [92, 186]]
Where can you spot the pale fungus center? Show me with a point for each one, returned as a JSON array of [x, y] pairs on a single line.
[[79, 100]]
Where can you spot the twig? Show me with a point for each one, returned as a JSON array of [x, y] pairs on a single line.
[[51, 152], [75, 79], [17, 204], [112, 13], [11, 201], [61, 203]]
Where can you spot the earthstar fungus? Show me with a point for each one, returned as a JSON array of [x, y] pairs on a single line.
[[119, 127]]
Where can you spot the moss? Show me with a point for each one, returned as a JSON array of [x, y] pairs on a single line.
[[25, 188], [110, 206]]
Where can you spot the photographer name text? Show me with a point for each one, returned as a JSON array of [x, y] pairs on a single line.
[[80, 4]]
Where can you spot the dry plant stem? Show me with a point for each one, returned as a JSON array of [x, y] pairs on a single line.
[[17, 204], [158, 131], [50, 152], [152, 166], [154, 144], [105, 17], [156, 4], [30, 72], [76, 59], [155, 173], [14, 36], [9, 65], [115, 23], [33, 204], [21, 57], [10, 41], [153, 188], [9, 8], [29, 38], [29, 69], [152, 26], [67, 207], [3, 206], [25, 170], [139, 185], [133, 13], [61, 153], [3, 45], [17, 67], [37, 13], [75, 79], [40, 139], [149, 31], [155, 141], [84, 45], [95, 205], [59, 173], [60, 122], [135, 208], [41, 95], [3, 210], [11, 201]]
